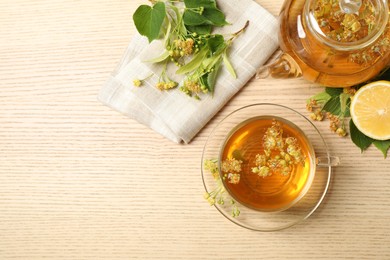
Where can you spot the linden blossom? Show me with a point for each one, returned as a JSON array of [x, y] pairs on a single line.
[[189, 44], [279, 154], [218, 194], [335, 104]]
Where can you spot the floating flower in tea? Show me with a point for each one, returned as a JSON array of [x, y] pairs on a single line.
[[279, 154]]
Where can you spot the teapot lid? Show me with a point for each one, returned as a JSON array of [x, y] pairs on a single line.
[[347, 24]]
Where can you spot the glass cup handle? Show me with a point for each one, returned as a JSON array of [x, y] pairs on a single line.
[[327, 161]]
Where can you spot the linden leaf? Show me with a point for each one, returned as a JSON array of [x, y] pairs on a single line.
[[383, 146], [358, 138], [149, 19], [200, 3], [385, 75], [203, 12], [333, 106], [216, 43], [193, 18], [200, 29], [215, 16], [334, 91]]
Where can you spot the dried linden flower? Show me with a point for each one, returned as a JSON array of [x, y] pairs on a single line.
[[279, 154], [234, 178], [262, 171], [231, 165]]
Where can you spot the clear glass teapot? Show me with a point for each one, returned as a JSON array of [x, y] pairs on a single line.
[[336, 43]]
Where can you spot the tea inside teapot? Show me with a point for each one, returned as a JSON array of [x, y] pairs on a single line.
[[337, 43]]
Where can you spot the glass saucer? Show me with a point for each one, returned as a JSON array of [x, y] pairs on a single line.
[[260, 220]]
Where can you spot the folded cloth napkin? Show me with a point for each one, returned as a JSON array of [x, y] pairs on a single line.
[[172, 113]]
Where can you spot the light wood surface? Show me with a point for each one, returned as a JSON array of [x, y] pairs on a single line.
[[81, 181]]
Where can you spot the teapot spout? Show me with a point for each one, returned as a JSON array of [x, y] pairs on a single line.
[[283, 67]]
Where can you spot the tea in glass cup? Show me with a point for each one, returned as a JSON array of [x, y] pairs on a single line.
[[267, 163]]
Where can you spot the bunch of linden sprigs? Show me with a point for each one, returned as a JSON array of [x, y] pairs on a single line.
[[334, 104], [185, 26]]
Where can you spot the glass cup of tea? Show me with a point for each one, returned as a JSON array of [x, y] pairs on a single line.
[[266, 167]]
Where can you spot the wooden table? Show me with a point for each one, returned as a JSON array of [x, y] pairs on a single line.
[[81, 181]]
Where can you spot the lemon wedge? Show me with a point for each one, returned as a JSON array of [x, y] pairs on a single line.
[[370, 110]]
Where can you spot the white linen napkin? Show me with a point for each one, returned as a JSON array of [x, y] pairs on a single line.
[[172, 113]]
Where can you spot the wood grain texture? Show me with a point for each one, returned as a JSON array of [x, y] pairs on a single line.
[[80, 181]]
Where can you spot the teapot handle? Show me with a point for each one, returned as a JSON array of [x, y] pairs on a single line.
[[283, 67]]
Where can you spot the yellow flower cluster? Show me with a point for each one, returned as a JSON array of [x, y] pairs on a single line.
[[212, 166], [232, 168], [166, 85], [335, 125], [231, 165], [279, 154], [192, 86], [137, 83], [217, 195], [182, 48], [316, 112]]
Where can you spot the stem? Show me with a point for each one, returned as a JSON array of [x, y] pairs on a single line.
[[236, 34], [242, 29]]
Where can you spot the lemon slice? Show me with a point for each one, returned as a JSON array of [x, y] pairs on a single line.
[[370, 110]]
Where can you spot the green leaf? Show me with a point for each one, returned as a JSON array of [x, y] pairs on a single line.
[[333, 106], [148, 20], [200, 29], [203, 12], [200, 3], [321, 98], [334, 91], [358, 138], [383, 146], [160, 58], [385, 75], [193, 18], [215, 16], [194, 63], [216, 43], [228, 65]]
